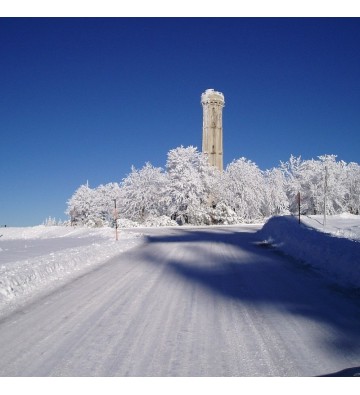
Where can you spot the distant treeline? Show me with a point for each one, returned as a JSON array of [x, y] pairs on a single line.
[[191, 191]]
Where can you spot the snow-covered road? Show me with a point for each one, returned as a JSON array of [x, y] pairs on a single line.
[[187, 302]]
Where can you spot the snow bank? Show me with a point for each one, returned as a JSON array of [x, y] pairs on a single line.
[[321, 247], [49, 261]]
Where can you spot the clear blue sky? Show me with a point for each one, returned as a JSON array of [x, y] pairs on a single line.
[[84, 99]]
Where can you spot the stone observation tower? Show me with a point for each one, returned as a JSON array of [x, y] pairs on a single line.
[[212, 138]]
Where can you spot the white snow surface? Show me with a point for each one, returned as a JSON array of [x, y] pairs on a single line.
[[185, 302], [333, 249], [38, 259]]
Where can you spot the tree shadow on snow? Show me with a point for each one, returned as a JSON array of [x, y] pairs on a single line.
[[257, 276]]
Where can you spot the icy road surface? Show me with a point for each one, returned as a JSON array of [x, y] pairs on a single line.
[[187, 302]]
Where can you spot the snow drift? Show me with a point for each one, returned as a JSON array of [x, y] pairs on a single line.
[[34, 259], [321, 247]]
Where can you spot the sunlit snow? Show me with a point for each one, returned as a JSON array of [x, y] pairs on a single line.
[[36, 259]]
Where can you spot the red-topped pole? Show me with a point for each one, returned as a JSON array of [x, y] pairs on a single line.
[[116, 218]]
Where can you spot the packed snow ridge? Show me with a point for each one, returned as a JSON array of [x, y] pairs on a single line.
[[333, 249]]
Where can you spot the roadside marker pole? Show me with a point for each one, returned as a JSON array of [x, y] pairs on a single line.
[[116, 224]]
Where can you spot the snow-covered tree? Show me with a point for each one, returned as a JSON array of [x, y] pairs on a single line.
[[243, 190], [308, 177], [334, 175], [304, 177], [276, 201], [189, 188], [82, 208], [311, 178], [144, 194], [93, 207], [352, 197], [104, 196], [291, 171]]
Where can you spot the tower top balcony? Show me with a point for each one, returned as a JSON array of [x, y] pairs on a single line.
[[212, 96]]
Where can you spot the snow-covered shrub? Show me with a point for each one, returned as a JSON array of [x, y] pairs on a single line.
[[150, 221], [51, 222], [224, 215], [163, 220], [127, 223]]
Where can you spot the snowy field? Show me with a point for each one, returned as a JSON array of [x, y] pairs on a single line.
[[333, 249], [37, 259]]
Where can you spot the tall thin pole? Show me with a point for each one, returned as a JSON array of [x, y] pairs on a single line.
[[116, 224], [325, 193], [298, 198]]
